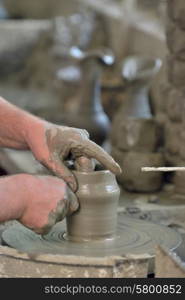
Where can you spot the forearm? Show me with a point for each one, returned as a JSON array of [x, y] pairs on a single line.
[[15, 124], [11, 197]]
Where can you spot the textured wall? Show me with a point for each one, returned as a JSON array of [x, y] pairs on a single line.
[[169, 91], [175, 107]]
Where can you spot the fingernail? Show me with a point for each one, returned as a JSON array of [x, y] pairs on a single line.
[[119, 170], [74, 205]]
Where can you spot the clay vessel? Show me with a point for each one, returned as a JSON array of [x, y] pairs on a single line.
[[134, 129], [179, 180], [89, 114], [98, 194], [138, 71], [133, 179]]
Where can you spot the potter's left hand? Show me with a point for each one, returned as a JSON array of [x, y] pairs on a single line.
[[52, 144], [38, 202]]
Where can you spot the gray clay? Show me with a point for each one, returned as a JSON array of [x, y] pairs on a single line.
[[98, 195], [132, 178]]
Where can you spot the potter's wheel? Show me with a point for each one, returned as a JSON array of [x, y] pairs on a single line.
[[132, 237], [87, 228]]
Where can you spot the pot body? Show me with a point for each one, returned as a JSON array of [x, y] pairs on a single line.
[[98, 195]]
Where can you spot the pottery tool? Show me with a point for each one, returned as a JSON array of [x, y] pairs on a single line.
[[163, 169]]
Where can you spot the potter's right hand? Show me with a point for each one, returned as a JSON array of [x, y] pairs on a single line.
[[38, 202], [52, 145]]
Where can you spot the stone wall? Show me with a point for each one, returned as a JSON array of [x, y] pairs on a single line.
[[169, 90], [175, 109]]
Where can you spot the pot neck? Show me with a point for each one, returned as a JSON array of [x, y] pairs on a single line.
[[137, 103], [90, 87], [94, 177]]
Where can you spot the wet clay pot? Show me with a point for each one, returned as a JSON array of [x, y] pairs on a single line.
[[98, 195]]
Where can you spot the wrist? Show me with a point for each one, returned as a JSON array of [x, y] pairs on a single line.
[[33, 129]]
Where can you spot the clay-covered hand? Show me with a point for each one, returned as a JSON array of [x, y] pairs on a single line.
[[38, 202], [52, 145]]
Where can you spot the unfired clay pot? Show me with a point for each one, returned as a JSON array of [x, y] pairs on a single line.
[[179, 180], [132, 178], [89, 114], [98, 194], [134, 128], [135, 133]]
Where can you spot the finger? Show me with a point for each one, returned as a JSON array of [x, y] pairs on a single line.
[[61, 210], [68, 205], [55, 216], [72, 201], [59, 169], [84, 164], [92, 150], [86, 133]]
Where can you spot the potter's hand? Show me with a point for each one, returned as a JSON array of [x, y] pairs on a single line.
[[52, 144], [38, 202]]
